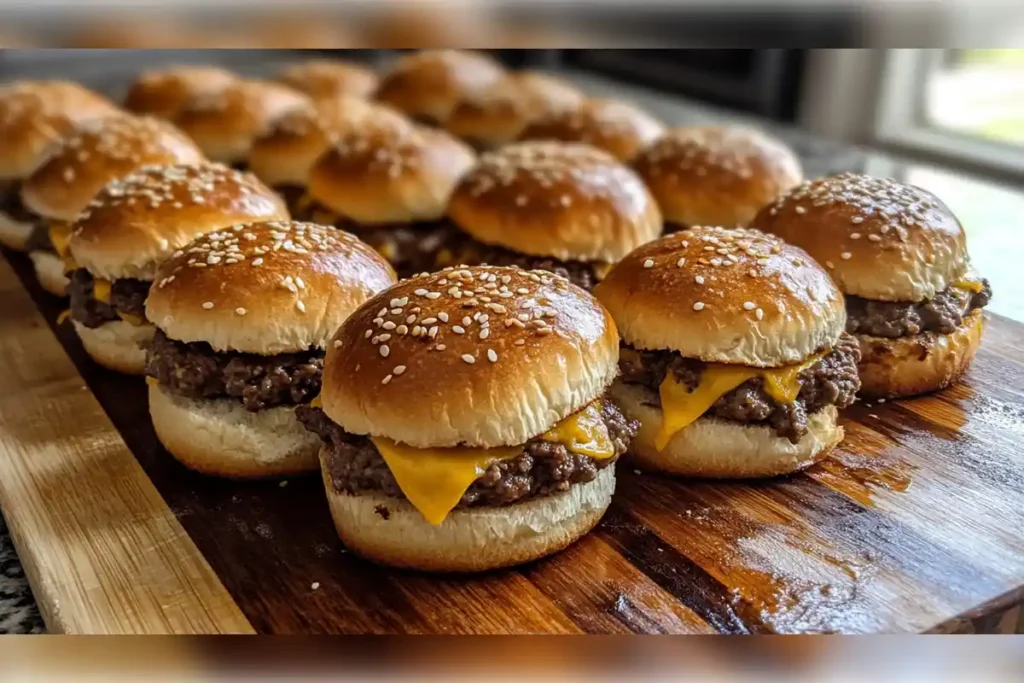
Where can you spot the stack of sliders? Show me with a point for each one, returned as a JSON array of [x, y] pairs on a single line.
[[243, 316], [567, 208], [900, 257], [734, 355], [465, 420], [166, 92], [77, 170], [329, 78], [617, 127], [129, 228], [33, 116]]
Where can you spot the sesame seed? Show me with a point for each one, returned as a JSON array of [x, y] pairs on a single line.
[[384, 337], [759, 313], [648, 263], [857, 220], [241, 311], [208, 305], [699, 306], [385, 350], [874, 238], [680, 263], [801, 210], [699, 279], [316, 584], [468, 358], [748, 305], [367, 335], [519, 342], [399, 369], [855, 236], [458, 329], [829, 264], [492, 356], [420, 292], [432, 332], [846, 256], [402, 329], [433, 295], [337, 343], [256, 262], [386, 380], [484, 333], [440, 347], [410, 319], [301, 306], [442, 316]]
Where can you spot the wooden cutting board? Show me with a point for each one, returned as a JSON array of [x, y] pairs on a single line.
[[915, 524]]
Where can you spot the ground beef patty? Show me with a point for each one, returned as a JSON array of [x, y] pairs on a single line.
[[197, 371], [467, 251], [39, 238], [541, 469], [126, 296], [833, 380], [10, 204], [943, 313], [292, 196]]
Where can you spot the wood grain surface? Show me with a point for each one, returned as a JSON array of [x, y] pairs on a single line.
[[913, 525]]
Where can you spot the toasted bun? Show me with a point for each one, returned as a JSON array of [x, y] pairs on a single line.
[[98, 153], [722, 449], [265, 288], [225, 123], [530, 381], [469, 540], [35, 114], [907, 366], [614, 126], [163, 93], [138, 221], [50, 272], [715, 175], [659, 304], [572, 202], [879, 239], [427, 85], [117, 345], [397, 175], [324, 78], [14, 234], [222, 438], [287, 152]]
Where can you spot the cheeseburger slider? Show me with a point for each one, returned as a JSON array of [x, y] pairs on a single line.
[[900, 257], [243, 316], [327, 78], [33, 116], [133, 225], [734, 358], [164, 93], [614, 126], [567, 208], [711, 175], [390, 187], [79, 167], [465, 422]]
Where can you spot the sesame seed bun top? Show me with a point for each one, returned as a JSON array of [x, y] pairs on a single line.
[[267, 288], [95, 154], [483, 356], [878, 238], [138, 221], [716, 175], [163, 93], [329, 78], [724, 296], [376, 176], [612, 125], [567, 201], [35, 114]]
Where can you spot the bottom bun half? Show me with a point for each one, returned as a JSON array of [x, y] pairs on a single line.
[[220, 437], [907, 366], [50, 272], [14, 234], [391, 531], [722, 449], [117, 345]]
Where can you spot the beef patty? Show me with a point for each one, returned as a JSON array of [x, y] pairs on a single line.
[[39, 238], [541, 469], [126, 296], [943, 313], [10, 203], [195, 370], [832, 380], [292, 196]]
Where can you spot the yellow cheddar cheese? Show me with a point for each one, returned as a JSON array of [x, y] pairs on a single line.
[[101, 290], [969, 285], [64, 315], [60, 234], [131, 319]]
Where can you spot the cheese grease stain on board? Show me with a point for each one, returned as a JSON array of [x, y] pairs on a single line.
[[860, 475]]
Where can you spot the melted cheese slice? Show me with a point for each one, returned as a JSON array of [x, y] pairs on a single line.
[[969, 285], [680, 407], [60, 233], [131, 319], [64, 315], [101, 290], [435, 479]]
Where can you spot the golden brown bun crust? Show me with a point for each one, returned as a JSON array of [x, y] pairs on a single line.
[[267, 288], [427, 85], [390, 175], [97, 153], [569, 201], [117, 345], [879, 239], [34, 115], [716, 175], [325, 78], [469, 540], [614, 126], [163, 93], [484, 382], [710, 312], [138, 221], [908, 366], [225, 123]]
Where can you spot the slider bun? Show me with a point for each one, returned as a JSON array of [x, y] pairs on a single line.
[[221, 438], [909, 245], [715, 175], [225, 123], [617, 127], [138, 221], [890, 368], [14, 234], [567, 201], [326, 78], [163, 93], [441, 400], [50, 272], [97, 153], [427, 85], [257, 308], [117, 345], [390, 175], [652, 299], [471, 539], [722, 449]]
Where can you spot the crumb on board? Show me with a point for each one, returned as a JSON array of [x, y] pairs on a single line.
[[283, 483], [315, 585]]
